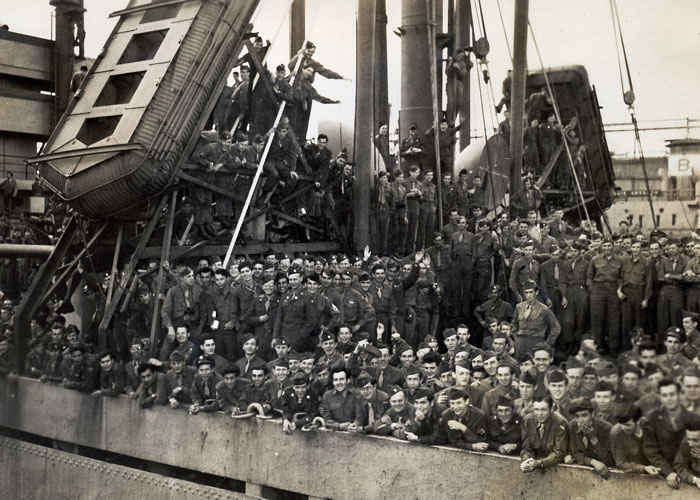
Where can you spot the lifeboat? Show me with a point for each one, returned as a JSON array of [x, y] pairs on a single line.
[[143, 104]]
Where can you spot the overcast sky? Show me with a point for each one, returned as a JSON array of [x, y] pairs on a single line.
[[662, 38]]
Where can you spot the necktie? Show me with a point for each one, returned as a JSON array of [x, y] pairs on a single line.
[[556, 271], [206, 390], [379, 292], [540, 430], [380, 380], [675, 263], [370, 414]]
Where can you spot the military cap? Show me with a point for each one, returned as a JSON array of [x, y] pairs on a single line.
[[607, 369], [603, 386], [488, 354], [176, 356], [246, 337], [327, 335], [556, 376], [454, 393], [504, 401], [281, 341], [580, 404], [205, 361], [448, 332], [364, 379], [464, 363], [394, 390], [300, 378], [231, 368], [630, 368], [364, 277], [423, 392], [527, 377], [295, 356], [530, 285], [283, 362], [676, 332]]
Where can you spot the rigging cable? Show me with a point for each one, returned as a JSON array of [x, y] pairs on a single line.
[[629, 98], [561, 125], [505, 32]]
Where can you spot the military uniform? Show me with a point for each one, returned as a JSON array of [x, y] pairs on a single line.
[[574, 316], [670, 302], [533, 323], [588, 444], [662, 438], [228, 398], [475, 421], [262, 328], [499, 433], [176, 385], [604, 278], [291, 321], [463, 265], [636, 285], [548, 442], [203, 392], [338, 407]]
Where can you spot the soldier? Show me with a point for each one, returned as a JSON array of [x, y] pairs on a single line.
[[183, 304], [291, 320], [635, 291], [428, 211], [503, 389], [687, 460], [462, 242], [545, 437], [412, 147], [414, 196], [339, 405], [664, 431], [353, 307], [485, 251], [399, 216], [626, 443], [149, 381], [670, 274], [462, 425], [525, 269], [530, 198], [203, 390], [589, 439], [574, 299], [175, 389], [230, 391], [384, 203], [260, 317], [605, 277], [504, 428], [691, 274], [533, 322], [111, 376], [299, 404], [550, 279]]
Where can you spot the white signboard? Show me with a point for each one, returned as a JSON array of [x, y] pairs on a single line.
[[681, 164]]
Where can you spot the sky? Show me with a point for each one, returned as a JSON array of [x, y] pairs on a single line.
[[662, 39]]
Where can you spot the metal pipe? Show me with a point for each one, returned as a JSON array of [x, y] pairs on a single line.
[[381, 82], [364, 119], [463, 16], [20, 250], [416, 101], [517, 95], [297, 26]]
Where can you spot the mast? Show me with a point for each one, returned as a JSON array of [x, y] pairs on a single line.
[[517, 95]]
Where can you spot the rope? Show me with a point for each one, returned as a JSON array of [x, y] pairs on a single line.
[[483, 23], [617, 45], [505, 32], [628, 98], [561, 125]]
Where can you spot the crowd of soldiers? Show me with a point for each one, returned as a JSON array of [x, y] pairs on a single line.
[[301, 179], [529, 338]]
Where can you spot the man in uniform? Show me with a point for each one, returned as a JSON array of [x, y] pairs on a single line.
[[605, 277], [545, 437], [462, 425], [533, 322], [635, 292], [291, 320], [670, 274]]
